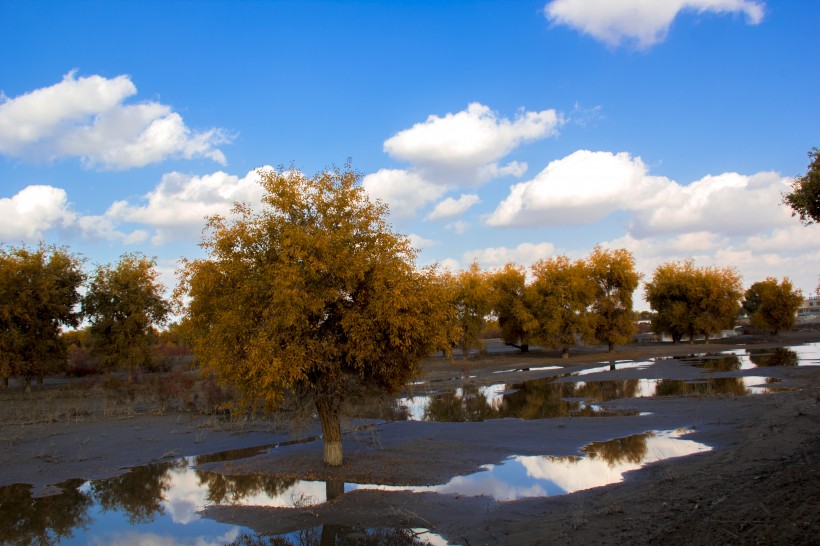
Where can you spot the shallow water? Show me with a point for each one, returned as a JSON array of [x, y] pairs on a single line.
[[159, 503]]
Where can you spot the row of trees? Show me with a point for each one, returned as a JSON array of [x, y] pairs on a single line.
[[41, 294], [566, 300]]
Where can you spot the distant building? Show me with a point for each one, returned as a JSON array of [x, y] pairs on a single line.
[[810, 306]]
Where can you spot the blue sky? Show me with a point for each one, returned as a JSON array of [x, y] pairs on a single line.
[[496, 131]]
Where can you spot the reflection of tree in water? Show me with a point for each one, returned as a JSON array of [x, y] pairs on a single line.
[[780, 356], [232, 489], [712, 386], [721, 364], [139, 493], [631, 449], [536, 399], [470, 406], [44, 520], [334, 535], [604, 391]]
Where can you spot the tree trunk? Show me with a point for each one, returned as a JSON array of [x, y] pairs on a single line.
[[331, 430]]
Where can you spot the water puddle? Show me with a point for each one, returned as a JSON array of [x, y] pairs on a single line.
[[550, 398], [159, 503], [603, 463], [341, 535]]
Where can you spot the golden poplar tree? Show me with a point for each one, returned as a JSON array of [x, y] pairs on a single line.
[[124, 302], [508, 288], [615, 278], [311, 295], [773, 306], [470, 298], [39, 294], [691, 301], [560, 295]]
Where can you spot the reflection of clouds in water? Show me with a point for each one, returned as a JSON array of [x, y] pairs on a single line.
[[620, 365], [487, 483], [575, 474], [646, 388], [187, 494], [184, 497], [134, 538], [570, 474], [417, 405]]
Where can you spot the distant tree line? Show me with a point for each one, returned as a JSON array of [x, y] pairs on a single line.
[[42, 307], [555, 303]]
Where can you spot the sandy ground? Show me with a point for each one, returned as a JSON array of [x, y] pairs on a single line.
[[759, 485]]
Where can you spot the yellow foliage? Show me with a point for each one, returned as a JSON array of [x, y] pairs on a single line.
[[311, 293]]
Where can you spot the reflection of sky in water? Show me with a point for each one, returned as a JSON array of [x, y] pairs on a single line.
[[416, 405], [538, 476], [517, 477]]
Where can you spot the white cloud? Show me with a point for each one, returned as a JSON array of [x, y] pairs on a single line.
[[463, 148], [450, 208], [639, 22], [32, 211], [86, 118], [177, 207], [728, 203], [523, 254], [583, 187], [405, 192], [421, 242], [792, 238]]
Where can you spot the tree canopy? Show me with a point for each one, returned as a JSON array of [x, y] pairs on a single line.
[[470, 298], [615, 278], [771, 305], [804, 199], [509, 303], [560, 296], [124, 302], [311, 294], [39, 294], [691, 301]]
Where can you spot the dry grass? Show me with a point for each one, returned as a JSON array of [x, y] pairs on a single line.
[[92, 398]]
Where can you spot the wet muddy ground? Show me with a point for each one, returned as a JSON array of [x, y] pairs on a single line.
[[506, 449]]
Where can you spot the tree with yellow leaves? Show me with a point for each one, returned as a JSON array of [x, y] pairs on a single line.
[[615, 278], [124, 303], [508, 286], [771, 305], [560, 296], [311, 295], [39, 294], [691, 301], [470, 298]]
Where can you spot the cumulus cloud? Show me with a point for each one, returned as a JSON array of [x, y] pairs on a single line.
[[177, 207], [729, 203], [450, 208], [641, 23], [32, 211], [86, 118], [523, 254], [405, 192], [464, 148], [586, 186], [583, 187]]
